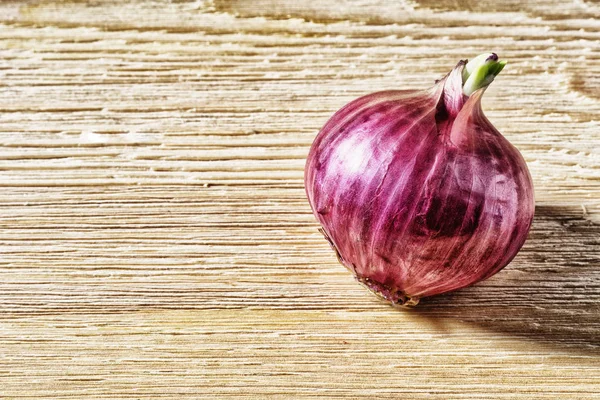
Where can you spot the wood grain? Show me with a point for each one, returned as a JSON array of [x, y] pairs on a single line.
[[156, 242]]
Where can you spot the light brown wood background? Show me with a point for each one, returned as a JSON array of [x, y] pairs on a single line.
[[155, 240]]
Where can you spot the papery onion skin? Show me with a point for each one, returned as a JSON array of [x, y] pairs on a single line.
[[417, 191]]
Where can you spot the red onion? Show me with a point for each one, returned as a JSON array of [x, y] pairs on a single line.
[[416, 191]]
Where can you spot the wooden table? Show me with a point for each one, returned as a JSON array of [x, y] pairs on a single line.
[[156, 241]]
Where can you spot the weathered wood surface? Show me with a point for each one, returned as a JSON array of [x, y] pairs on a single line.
[[156, 242]]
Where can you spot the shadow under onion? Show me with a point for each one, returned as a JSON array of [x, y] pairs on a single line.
[[551, 290]]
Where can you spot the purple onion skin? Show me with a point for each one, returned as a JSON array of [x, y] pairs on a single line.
[[417, 191]]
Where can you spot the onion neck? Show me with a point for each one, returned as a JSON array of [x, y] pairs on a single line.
[[463, 87]]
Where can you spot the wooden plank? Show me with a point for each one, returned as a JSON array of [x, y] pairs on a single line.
[[155, 240]]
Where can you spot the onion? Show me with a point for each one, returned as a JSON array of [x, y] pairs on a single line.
[[416, 191]]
